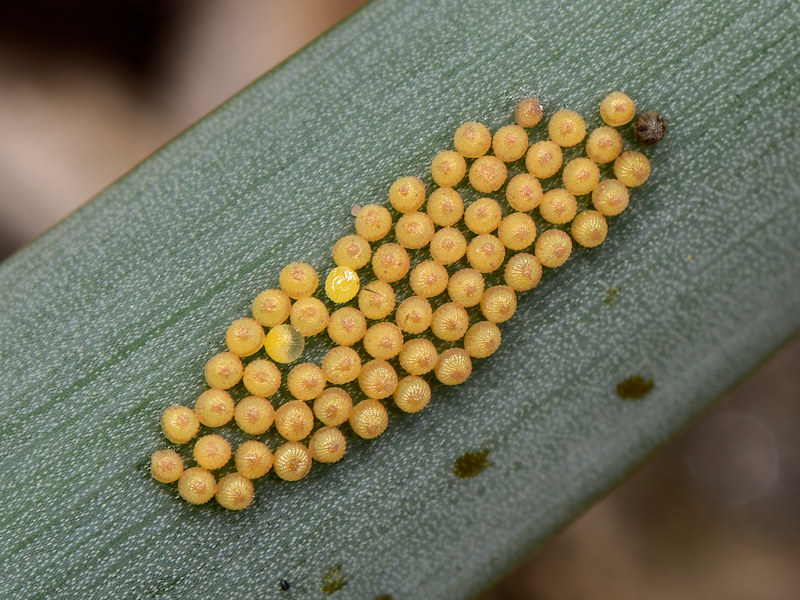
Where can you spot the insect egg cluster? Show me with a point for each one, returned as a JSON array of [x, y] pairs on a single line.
[[418, 292]]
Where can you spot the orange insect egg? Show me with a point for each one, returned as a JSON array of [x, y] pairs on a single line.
[[510, 143], [346, 326], [450, 322], [212, 452], [580, 176], [223, 370], [499, 303], [604, 144], [166, 466], [544, 159], [428, 279], [454, 366], [466, 287], [390, 263], [414, 230], [523, 272], [407, 194], [610, 197], [327, 445], [369, 419], [529, 112], [483, 215], [309, 316], [482, 339], [284, 343], [517, 231], [179, 424], [383, 340], [342, 285], [487, 174], [351, 251], [244, 337], [472, 139], [373, 222], [445, 207], [271, 307], [558, 206], [197, 486], [448, 246], [617, 109], [524, 192], [376, 300], [589, 228], [333, 406], [448, 168], [253, 459], [261, 378], [214, 408], [341, 365], [294, 420], [234, 491], [292, 461], [632, 168], [414, 315], [412, 394], [254, 415], [419, 356], [377, 379], [553, 248], [298, 280], [485, 253], [306, 381], [566, 128]]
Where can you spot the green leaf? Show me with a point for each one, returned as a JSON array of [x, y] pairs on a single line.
[[110, 316]]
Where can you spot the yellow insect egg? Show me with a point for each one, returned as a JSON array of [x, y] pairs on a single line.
[[373, 222], [524, 192], [617, 109], [412, 394], [428, 279], [390, 263], [253, 459], [499, 303], [445, 207], [333, 406], [418, 356], [580, 176], [294, 420], [271, 307], [414, 230], [298, 280], [341, 365], [377, 379], [448, 246], [383, 340], [483, 215], [510, 143], [346, 326], [523, 272], [327, 445], [292, 461], [376, 300], [309, 315], [610, 197], [351, 251], [223, 370], [414, 315], [566, 128], [166, 466], [234, 491], [544, 159], [558, 206], [407, 194], [604, 144], [450, 322], [244, 337], [466, 287], [589, 228], [553, 248], [254, 415], [448, 168], [197, 486], [529, 112], [306, 381], [632, 168], [485, 253], [214, 408], [212, 452], [454, 366], [517, 231], [487, 174], [261, 378], [369, 419], [472, 139], [482, 339], [342, 285], [179, 423], [284, 344]]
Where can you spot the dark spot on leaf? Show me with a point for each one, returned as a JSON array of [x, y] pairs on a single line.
[[284, 584], [333, 580], [384, 597], [634, 387], [611, 295], [470, 464]]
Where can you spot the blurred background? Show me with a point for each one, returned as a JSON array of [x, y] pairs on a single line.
[[88, 89]]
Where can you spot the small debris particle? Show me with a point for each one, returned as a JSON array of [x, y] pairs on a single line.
[[634, 387], [611, 295], [333, 580], [284, 584], [470, 464], [356, 209]]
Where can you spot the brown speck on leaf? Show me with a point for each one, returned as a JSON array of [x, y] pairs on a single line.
[[471, 464], [634, 388], [356, 209], [333, 580]]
